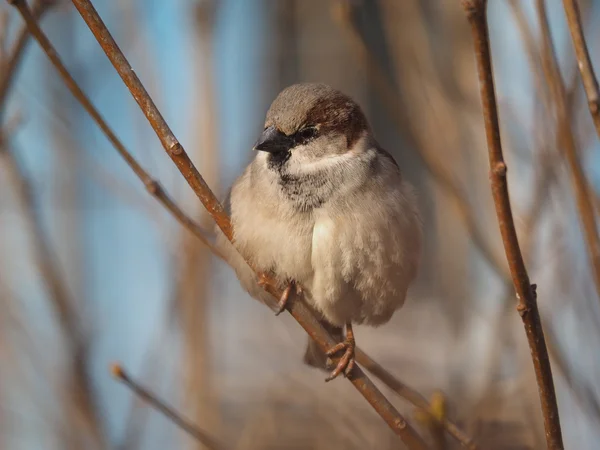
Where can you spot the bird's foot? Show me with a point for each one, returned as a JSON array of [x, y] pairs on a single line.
[[264, 280], [347, 361], [283, 300]]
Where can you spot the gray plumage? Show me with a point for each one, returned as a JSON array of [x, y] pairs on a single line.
[[327, 208]]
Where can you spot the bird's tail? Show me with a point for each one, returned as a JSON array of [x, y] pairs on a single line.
[[314, 356]]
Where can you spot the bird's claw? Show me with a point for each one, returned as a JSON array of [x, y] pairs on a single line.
[[263, 279], [346, 362], [283, 300]]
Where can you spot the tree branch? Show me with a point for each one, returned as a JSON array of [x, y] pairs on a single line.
[[202, 436], [176, 152], [476, 11], [59, 296], [153, 187], [411, 396], [58, 293], [13, 60], [590, 84]]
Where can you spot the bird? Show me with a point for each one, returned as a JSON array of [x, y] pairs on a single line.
[[324, 211]]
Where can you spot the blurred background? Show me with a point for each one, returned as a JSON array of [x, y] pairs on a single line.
[[94, 270]]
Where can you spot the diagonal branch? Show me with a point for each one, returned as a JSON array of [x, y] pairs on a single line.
[[590, 84], [59, 295], [81, 394], [202, 436], [153, 187], [412, 396], [299, 310], [476, 11], [14, 57], [176, 152]]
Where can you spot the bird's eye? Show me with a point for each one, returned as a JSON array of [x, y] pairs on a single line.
[[306, 134]]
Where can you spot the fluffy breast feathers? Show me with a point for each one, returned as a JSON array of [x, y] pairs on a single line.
[[355, 255]]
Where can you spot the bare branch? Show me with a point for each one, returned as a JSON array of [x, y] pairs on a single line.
[[153, 187], [590, 84], [58, 292], [176, 152], [476, 11], [10, 66], [202, 436], [412, 396]]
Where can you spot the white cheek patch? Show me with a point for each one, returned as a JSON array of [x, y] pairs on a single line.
[[323, 163], [261, 156]]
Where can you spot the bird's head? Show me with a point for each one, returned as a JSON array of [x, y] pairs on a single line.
[[311, 126]]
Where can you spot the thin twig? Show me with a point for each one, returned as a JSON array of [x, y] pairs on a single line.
[[153, 187], [590, 84], [58, 292], [176, 152], [81, 391], [566, 138], [476, 11], [15, 55], [202, 436], [412, 396]]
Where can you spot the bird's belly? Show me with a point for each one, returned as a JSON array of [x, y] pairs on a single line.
[[282, 249]]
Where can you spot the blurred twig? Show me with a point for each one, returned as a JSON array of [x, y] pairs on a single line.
[[203, 437], [547, 163], [176, 152], [80, 389], [152, 186], [10, 65], [433, 421], [412, 396], [590, 84], [46, 262], [194, 297], [476, 11], [567, 141], [342, 12]]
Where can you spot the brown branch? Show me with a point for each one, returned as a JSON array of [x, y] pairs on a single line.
[[58, 292], [567, 141], [411, 396], [590, 84], [153, 187], [176, 152], [476, 11], [3, 36], [202, 436], [80, 389], [13, 60], [548, 164]]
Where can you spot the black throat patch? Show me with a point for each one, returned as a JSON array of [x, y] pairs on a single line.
[[276, 161], [306, 192]]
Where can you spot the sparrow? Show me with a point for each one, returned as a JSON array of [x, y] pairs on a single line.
[[326, 212]]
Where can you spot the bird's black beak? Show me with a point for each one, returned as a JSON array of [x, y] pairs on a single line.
[[273, 141]]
